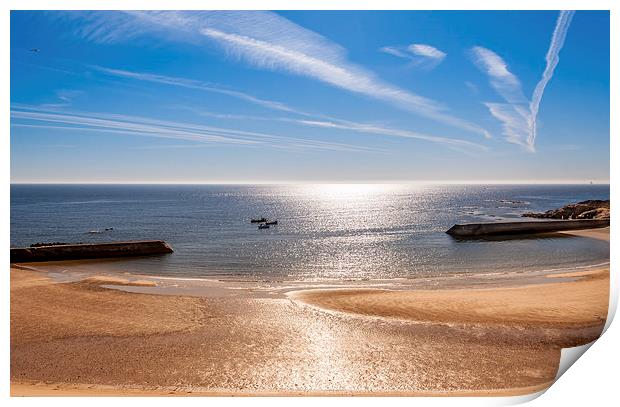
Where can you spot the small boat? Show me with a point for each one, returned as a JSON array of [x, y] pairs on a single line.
[[273, 222], [261, 220], [263, 226], [93, 232]]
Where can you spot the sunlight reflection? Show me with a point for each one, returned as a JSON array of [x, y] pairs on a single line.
[[350, 192]]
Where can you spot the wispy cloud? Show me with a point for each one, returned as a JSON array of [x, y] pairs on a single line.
[[421, 55], [426, 51], [230, 116], [519, 115], [195, 84], [396, 51], [268, 41], [386, 131], [68, 95], [317, 118], [514, 115], [335, 71], [329, 122], [64, 98], [34, 117], [501, 79]]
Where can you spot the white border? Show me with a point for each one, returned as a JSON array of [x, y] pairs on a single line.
[[591, 381]]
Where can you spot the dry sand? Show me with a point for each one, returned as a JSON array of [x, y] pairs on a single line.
[[78, 338]]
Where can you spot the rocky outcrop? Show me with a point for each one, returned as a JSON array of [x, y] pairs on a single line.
[[593, 209], [89, 251]]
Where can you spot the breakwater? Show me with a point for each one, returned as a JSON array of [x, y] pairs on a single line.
[[473, 230], [89, 251]]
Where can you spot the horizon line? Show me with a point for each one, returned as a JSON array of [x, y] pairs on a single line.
[[315, 182]]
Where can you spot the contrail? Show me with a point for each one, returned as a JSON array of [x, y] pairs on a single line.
[[518, 115], [557, 42]]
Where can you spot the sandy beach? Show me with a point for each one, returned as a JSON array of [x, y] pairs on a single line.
[[575, 304], [306, 202], [80, 338]]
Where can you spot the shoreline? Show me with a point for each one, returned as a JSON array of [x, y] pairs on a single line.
[[287, 340], [575, 303], [71, 270]]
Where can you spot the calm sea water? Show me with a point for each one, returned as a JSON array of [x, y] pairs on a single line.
[[324, 231]]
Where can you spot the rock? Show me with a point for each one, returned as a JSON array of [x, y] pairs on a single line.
[[592, 209], [599, 213]]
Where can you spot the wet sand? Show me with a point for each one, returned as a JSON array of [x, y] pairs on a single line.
[[580, 303], [80, 338], [601, 233]]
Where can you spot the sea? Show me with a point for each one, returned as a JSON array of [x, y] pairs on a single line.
[[325, 232]]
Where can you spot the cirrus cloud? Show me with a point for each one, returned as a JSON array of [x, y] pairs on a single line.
[[421, 55], [267, 41]]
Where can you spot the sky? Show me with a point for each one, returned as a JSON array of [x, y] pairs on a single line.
[[309, 96]]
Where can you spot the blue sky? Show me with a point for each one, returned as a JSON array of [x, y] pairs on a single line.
[[309, 96]]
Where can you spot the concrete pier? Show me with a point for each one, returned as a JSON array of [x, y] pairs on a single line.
[[473, 230], [89, 251]]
